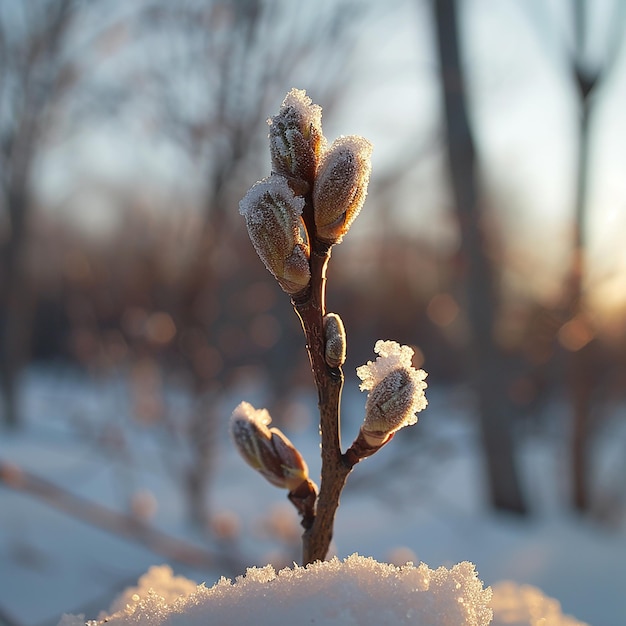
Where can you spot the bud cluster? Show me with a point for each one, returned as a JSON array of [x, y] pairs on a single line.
[[332, 180], [294, 216]]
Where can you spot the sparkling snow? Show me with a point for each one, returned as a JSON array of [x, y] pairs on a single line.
[[419, 499], [358, 591]]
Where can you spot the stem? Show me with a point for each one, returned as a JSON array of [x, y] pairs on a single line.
[[310, 307]]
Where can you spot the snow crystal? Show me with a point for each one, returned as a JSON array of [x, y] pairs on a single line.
[[159, 577], [392, 356], [277, 189], [245, 411], [358, 590]]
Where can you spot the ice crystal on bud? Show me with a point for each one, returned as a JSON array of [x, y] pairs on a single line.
[[341, 186], [267, 450], [272, 213], [296, 138], [396, 391]]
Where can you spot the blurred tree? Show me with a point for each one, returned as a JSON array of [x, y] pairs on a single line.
[[35, 73], [588, 78], [485, 357], [589, 68]]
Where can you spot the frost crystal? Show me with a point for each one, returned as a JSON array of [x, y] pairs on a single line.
[[245, 411], [310, 114], [358, 590], [273, 189], [396, 391], [272, 213]]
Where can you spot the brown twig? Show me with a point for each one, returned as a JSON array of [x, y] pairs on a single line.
[[327, 189], [311, 308]]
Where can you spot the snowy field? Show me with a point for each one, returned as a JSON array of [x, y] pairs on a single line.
[[420, 499]]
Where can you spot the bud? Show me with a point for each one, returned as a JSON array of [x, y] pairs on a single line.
[[296, 138], [267, 450], [396, 392], [272, 213], [334, 340], [341, 186]]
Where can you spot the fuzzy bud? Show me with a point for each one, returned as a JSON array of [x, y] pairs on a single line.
[[334, 340], [267, 450], [396, 392], [296, 138], [272, 213], [341, 186]]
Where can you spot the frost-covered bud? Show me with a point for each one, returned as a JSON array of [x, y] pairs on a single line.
[[267, 450], [334, 340], [341, 186], [272, 213], [296, 138], [396, 392]]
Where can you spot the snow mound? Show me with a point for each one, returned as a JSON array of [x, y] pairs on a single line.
[[357, 591], [524, 605]]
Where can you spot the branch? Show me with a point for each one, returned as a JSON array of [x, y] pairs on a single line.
[[329, 382], [324, 195], [125, 526]]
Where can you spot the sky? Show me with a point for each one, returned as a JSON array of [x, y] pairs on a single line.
[[524, 109], [525, 113]]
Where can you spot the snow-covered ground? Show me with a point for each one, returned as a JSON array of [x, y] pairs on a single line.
[[418, 499], [356, 592]]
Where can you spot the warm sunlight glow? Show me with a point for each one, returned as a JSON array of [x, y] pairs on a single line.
[[607, 298], [576, 334], [442, 309], [160, 328]]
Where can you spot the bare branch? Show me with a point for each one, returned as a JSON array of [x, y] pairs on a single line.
[[124, 526]]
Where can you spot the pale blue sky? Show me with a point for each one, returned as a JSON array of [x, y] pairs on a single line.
[[524, 109]]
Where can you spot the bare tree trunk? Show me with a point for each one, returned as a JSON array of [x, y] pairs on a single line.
[[580, 369], [485, 359], [33, 70], [15, 337], [15, 305], [579, 374]]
